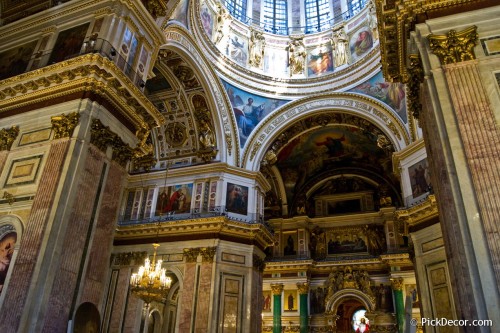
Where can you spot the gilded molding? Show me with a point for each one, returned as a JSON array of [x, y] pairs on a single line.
[[419, 213], [454, 46], [259, 263], [122, 153], [397, 259], [9, 197], [397, 284], [100, 136], [208, 254], [303, 288], [191, 255], [7, 137], [64, 125], [156, 8], [415, 78], [276, 288], [128, 258]]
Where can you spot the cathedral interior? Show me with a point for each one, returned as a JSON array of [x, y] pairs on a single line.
[[245, 166]]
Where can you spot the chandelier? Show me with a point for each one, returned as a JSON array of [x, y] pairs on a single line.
[[151, 283]]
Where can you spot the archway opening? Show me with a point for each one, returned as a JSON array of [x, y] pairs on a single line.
[[349, 313], [87, 319]]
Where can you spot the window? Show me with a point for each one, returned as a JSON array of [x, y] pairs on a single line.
[[317, 15], [237, 8], [355, 6], [275, 17]]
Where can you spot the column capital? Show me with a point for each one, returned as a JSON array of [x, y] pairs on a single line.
[[277, 288], [7, 137], [303, 287], [454, 46], [64, 125], [397, 283]]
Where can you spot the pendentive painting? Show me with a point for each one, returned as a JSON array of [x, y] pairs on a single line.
[[174, 199], [15, 61], [8, 238], [249, 109], [361, 42], [320, 60], [420, 179], [392, 94], [237, 199], [69, 43], [207, 19]]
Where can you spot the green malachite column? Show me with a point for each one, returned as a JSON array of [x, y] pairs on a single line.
[[277, 289], [397, 289], [304, 313]]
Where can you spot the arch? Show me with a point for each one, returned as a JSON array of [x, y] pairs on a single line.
[[349, 103], [87, 319], [180, 41], [340, 296], [155, 321]]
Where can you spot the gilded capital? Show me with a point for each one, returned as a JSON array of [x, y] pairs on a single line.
[[276, 288], [100, 135], [303, 287], [397, 284], [191, 255], [7, 137], [121, 151], [415, 78], [64, 125], [258, 263], [454, 46], [208, 253]]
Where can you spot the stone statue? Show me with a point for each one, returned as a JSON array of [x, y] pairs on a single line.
[[339, 45], [223, 22], [256, 49], [297, 56], [372, 20]]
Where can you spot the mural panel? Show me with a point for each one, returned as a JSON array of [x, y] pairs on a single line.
[[175, 199], [291, 301], [8, 238], [420, 179], [15, 61], [320, 60], [249, 109], [237, 49], [207, 20], [392, 94], [180, 13], [69, 43], [267, 301], [360, 43], [237, 199]]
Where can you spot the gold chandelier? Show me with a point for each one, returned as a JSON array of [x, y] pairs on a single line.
[[151, 283]]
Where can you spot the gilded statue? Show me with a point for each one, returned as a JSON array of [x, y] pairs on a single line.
[[256, 49], [339, 45], [206, 137], [297, 56]]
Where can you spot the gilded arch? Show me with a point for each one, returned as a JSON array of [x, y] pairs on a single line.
[[332, 303]]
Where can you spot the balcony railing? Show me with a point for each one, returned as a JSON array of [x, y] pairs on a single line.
[[251, 218], [97, 45]]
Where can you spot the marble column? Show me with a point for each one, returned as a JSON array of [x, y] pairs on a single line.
[[397, 289], [303, 288], [277, 290]]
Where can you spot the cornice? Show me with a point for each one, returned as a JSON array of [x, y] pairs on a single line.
[[408, 151], [419, 213], [213, 227], [90, 72], [397, 259], [395, 20]]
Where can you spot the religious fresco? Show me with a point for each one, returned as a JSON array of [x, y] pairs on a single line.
[[69, 43], [290, 300], [327, 148], [207, 20], [340, 242], [180, 13], [15, 61], [392, 94], [267, 301], [157, 83], [420, 179], [174, 199], [237, 49], [320, 60], [360, 43], [237, 199], [8, 238], [249, 109]]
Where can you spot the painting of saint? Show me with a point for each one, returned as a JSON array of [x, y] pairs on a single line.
[[69, 43], [207, 20], [290, 300], [180, 13], [320, 61], [392, 94], [237, 50], [174, 199], [249, 109], [419, 178], [15, 61], [361, 42], [267, 301], [8, 238], [290, 242], [237, 199]]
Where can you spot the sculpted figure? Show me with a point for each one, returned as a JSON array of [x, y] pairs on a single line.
[[297, 56], [339, 45], [256, 48], [223, 22]]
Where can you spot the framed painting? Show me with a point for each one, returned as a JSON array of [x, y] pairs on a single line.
[[69, 43], [420, 181], [174, 199], [237, 199]]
